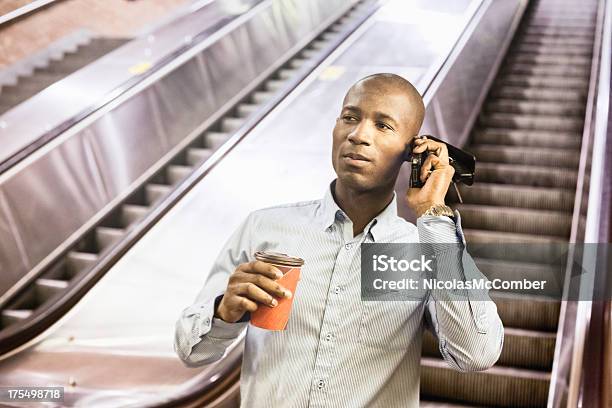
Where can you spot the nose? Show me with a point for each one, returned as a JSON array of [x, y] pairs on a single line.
[[361, 134]]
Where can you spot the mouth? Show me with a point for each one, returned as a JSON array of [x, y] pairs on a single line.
[[356, 162], [356, 157]]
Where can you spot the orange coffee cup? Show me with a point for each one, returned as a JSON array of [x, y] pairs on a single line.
[[276, 318]]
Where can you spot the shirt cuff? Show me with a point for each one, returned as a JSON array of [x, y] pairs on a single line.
[[435, 229]]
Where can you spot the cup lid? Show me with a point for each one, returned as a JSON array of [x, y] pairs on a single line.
[[278, 258]]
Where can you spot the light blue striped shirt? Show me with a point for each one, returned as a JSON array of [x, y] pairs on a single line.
[[338, 350]]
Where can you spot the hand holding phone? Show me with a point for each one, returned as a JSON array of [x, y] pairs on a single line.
[[463, 163]]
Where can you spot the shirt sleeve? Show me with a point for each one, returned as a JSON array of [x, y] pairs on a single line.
[[199, 337], [470, 333]]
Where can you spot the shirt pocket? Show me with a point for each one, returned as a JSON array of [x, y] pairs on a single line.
[[389, 325]]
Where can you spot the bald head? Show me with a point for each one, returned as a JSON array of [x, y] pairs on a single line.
[[380, 116], [393, 85]]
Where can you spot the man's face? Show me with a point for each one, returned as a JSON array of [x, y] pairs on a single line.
[[375, 125]]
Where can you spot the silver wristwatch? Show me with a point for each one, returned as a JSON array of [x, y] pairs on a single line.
[[440, 210]]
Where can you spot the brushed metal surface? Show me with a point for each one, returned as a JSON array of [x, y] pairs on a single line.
[[126, 142], [13, 260], [120, 143], [54, 197]]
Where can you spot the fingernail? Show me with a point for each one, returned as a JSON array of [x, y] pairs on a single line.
[[287, 293], [274, 302]]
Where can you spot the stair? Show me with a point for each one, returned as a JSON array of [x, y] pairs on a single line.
[[517, 216]]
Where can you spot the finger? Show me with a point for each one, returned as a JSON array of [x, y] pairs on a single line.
[[443, 155], [269, 285], [427, 145], [255, 293], [428, 166], [240, 303], [262, 268]]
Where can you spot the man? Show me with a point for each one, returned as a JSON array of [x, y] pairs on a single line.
[[336, 349]]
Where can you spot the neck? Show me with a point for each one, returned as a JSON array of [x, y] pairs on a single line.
[[362, 206]]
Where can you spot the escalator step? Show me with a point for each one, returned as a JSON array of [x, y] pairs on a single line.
[[570, 22], [230, 124], [176, 173], [434, 404], [78, 262], [474, 236], [566, 49], [329, 36], [47, 288], [544, 81], [12, 316], [537, 198], [543, 94], [551, 273], [536, 107], [527, 312], [502, 385], [565, 25], [516, 247], [245, 110], [560, 31], [543, 156], [261, 97], [559, 42], [106, 237], [131, 213], [297, 63], [550, 59], [317, 46], [214, 140], [275, 85], [533, 138], [155, 192], [531, 122], [287, 73], [195, 156], [526, 175], [518, 220], [529, 349], [309, 54], [557, 70]]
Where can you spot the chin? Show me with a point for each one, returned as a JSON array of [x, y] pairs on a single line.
[[357, 181]]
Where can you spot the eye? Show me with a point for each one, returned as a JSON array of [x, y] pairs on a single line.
[[383, 126], [349, 118]]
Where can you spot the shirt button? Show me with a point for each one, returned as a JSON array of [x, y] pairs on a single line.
[[207, 320], [321, 384], [329, 337], [348, 246], [337, 290]]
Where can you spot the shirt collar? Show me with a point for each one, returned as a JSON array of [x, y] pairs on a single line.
[[330, 211]]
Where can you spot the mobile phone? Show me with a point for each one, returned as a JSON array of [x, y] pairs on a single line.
[[463, 162]]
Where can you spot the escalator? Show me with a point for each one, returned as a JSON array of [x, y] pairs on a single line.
[[50, 291], [55, 70], [510, 202], [527, 142]]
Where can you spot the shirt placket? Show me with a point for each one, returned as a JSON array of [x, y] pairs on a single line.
[[327, 343]]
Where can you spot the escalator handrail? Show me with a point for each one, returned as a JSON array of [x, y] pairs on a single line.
[[199, 41], [594, 125], [23, 11]]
